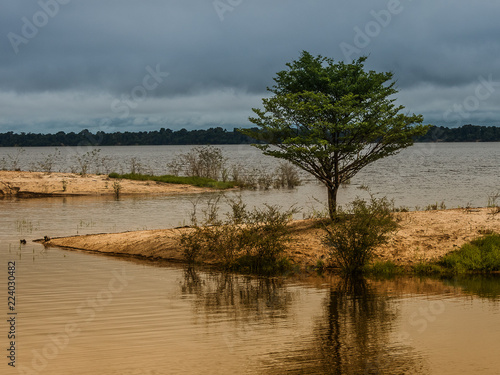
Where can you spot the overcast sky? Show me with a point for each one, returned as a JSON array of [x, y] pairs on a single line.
[[130, 65]]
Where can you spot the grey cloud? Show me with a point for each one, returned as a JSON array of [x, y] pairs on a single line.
[[101, 49]]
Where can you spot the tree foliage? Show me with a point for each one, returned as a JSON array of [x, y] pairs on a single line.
[[332, 119]]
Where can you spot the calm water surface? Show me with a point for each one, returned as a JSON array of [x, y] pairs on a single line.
[[82, 313]]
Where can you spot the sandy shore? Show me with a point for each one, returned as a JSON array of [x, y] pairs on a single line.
[[33, 184], [423, 235]]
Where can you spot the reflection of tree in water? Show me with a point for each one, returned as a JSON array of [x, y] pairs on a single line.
[[484, 286], [353, 337], [241, 298]]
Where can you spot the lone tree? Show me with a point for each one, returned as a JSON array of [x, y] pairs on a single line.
[[332, 119]]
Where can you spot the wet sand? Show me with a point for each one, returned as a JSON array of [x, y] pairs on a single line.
[[422, 236], [35, 184]]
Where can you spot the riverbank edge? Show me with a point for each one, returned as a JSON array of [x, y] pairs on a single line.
[[423, 238]]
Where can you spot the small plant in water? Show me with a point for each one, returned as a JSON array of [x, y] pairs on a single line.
[[135, 166], [265, 179], [14, 159], [493, 203], [206, 162], [85, 224], [286, 176], [117, 187], [47, 164], [25, 226], [88, 160]]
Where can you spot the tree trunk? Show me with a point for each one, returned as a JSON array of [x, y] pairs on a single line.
[[332, 200]]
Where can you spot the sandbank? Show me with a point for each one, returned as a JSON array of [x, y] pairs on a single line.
[[23, 184], [422, 236]]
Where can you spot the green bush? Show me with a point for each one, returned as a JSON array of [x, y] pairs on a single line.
[[479, 256], [356, 231], [253, 240]]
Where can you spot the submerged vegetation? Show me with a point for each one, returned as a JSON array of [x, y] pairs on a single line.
[[204, 166], [207, 167], [209, 162]]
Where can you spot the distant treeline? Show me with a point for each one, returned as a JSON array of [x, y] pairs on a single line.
[[465, 133], [213, 136]]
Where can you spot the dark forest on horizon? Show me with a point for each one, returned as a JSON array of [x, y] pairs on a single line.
[[213, 136]]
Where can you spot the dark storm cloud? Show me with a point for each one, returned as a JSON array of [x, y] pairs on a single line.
[[87, 61]]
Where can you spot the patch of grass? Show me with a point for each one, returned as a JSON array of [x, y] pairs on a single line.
[[383, 268], [426, 269], [479, 256], [195, 181]]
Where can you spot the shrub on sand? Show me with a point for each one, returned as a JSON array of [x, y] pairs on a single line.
[[356, 231]]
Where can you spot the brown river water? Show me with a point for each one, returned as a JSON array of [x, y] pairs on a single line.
[[82, 313]]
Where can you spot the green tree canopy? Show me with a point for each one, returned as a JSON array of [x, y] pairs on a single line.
[[332, 119]]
